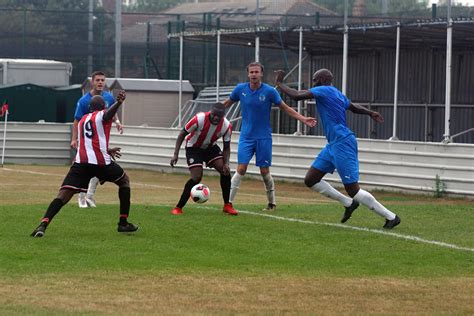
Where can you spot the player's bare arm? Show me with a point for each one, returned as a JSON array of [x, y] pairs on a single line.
[[74, 134], [118, 124], [359, 109], [310, 121], [179, 141], [226, 157], [228, 102], [292, 93], [112, 110]]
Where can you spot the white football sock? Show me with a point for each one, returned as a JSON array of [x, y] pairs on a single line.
[[369, 200], [327, 190], [234, 185], [82, 200], [270, 187], [92, 186]]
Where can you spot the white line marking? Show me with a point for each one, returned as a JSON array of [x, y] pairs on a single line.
[[363, 229], [288, 219], [33, 172], [312, 200]]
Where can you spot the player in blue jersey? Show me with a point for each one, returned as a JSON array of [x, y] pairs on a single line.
[[256, 100], [341, 151], [82, 108]]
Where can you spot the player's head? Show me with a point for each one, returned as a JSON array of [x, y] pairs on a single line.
[[255, 72], [97, 103], [98, 81], [322, 77], [217, 113]]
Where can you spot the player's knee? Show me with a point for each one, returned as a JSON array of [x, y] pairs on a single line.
[[124, 181], [352, 189], [196, 178], [241, 170], [310, 181], [65, 195]]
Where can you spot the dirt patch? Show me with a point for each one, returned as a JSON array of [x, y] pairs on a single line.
[[32, 184], [129, 294]]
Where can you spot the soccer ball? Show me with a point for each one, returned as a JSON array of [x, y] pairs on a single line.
[[200, 193]]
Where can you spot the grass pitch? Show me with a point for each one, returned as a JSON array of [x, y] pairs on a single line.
[[297, 260]]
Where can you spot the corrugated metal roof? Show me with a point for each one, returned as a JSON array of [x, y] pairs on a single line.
[[327, 40]]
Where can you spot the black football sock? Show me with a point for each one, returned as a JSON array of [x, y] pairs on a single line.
[[124, 196], [52, 210], [186, 193], [225, 186]]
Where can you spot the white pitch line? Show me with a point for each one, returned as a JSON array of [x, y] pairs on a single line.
[[33, 172], [363, 229], [285, 198]]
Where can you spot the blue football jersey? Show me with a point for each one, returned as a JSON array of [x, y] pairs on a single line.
[[82, 106], [255, 106], [332, 105]]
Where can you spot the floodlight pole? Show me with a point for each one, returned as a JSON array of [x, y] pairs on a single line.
[[257, 29], [118, 36], [90, 37], [449, 48], [257, 48], [384, 7], [300, 62], [218, 64], [395, 89], [180, 95], [345, 48]]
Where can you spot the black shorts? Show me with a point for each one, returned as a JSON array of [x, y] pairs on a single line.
[[196, 156], [80, 174]]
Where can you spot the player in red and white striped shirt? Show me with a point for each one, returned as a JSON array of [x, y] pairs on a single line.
[[92, 146], [201, 133], [93, 159]]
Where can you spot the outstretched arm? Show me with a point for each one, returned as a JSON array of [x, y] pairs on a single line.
[[179, 141], [292, 93], [112, 110], [310, 121], [118, 124], [359, 109]]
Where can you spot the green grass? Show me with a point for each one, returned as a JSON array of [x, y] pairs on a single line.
[[298, 260], [206, 241]]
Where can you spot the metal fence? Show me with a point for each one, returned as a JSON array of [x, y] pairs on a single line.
[[147, 52]]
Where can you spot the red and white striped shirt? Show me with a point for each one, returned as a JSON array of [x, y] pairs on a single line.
[[93, 142], [203, 134]]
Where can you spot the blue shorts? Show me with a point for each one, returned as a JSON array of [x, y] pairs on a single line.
[[262, 148], [342, 156]]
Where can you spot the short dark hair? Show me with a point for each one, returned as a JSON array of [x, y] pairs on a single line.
[[218, 106], [97, 103], [97, 73], [255, 63]]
